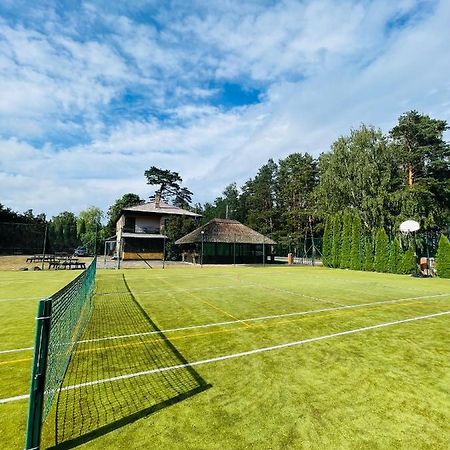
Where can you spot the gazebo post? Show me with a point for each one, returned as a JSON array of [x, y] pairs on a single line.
[[164, 252], [201, 256], [264, 251]]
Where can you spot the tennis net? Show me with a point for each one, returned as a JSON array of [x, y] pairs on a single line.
[[61, 320]]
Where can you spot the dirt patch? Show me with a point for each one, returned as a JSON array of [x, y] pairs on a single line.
[[19, 262]]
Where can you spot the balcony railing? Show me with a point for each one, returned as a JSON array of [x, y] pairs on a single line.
[[141, 230]]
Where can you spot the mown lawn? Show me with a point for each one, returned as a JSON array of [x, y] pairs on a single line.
[[379, 388]]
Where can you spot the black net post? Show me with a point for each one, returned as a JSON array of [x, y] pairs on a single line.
[[35, 408]]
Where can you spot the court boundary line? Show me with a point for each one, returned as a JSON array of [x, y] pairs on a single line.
[[237, 355], [253, 319]]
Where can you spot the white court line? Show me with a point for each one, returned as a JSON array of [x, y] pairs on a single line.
[[14, 399], [253, 319], [212, 288], [235, 355], [272, 288], [14, 350], [17, 299]]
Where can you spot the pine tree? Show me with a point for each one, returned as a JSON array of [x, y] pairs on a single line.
[[327, 242], [381, 251], [345, 250], [368, 255], [336, 244], [356, 253], [443, 258], [395, 257], [409, 261]]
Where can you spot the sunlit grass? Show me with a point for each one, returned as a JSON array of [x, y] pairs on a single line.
[[383, 388]]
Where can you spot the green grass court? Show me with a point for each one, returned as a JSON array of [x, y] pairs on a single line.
[[129, 384]]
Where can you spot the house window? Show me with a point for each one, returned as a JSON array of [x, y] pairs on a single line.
[[130, 224]]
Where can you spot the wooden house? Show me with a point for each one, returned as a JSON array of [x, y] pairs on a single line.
[[140, 229]]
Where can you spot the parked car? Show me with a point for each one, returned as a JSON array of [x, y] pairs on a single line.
[[81, 251]]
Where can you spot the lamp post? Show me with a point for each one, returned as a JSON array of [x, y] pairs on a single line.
[[201, 256]]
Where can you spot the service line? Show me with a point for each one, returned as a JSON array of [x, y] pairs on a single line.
[[236, 355], [252, 319]]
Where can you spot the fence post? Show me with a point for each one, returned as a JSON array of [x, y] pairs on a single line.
[[36, 402]]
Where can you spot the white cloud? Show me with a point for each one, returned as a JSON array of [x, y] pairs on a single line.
[[355, 70]]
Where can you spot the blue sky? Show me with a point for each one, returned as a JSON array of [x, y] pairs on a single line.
[[92, 93]]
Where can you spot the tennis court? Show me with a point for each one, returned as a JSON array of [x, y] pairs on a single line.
[[244, 357]]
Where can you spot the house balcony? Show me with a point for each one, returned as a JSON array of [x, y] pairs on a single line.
[[142, 230]]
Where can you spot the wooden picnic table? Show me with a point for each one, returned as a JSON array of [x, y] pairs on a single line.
[[41, 258], [58, 265], [66, 259]]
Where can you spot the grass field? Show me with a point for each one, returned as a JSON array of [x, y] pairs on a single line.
[[260, 377]]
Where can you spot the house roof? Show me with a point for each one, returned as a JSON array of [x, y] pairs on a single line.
[[225, 231], [163, 209]]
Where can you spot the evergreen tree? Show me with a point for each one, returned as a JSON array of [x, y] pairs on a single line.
[[260, 197], [356, 253], [368, 254], [424, 158], [114, 210], [395, 257], [169, 184], [295, 183], [336, 243], [381, 251], [345, 250], [327, 242], [443, 258], [409, 264]]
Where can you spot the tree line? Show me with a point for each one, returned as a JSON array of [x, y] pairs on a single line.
[[382, 179], [385, 179]]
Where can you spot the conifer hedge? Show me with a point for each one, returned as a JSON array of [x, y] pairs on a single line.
[[327, 242], [443, 257], [336, 241], [368, 255], [395, 257], [346, 244], [381, 251], [409, 264], [356, 251]]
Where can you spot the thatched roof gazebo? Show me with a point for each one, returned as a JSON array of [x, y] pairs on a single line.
[[226, 241]]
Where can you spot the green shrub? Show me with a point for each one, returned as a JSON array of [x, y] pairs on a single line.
[[381, 251], [344, 254], [327, 242], [336, 244], [395, 257], [409, 264], [443, 258], [368, 255], [356, 251]]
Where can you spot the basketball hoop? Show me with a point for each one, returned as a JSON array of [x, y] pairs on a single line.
[[409, 226]]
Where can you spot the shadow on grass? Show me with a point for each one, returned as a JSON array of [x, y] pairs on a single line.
[[106, 385]]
